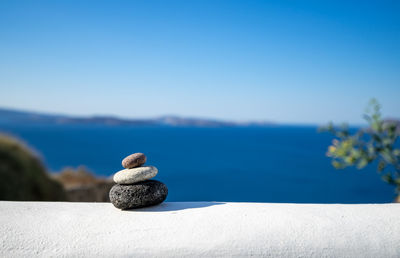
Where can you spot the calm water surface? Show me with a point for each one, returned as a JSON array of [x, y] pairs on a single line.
[[276, 164]]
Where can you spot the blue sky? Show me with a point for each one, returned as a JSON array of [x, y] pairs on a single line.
[[284, 61]]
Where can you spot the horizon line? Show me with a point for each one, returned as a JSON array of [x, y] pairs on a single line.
[[114, 116]]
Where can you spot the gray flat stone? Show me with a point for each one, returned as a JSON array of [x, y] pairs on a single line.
[[143, 194]]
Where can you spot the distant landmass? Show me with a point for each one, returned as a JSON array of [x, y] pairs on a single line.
[[10, 116]]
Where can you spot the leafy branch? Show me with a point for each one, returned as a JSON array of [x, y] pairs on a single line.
[[378, 142]]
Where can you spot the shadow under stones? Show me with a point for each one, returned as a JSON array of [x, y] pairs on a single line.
[[175, 206]]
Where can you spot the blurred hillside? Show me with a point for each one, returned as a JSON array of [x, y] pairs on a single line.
[[23, 176], [82, 186]]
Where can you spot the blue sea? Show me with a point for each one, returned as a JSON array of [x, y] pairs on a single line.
[[273, 164]]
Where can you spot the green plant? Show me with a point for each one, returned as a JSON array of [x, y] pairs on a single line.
[[23, 176], [376, 143]]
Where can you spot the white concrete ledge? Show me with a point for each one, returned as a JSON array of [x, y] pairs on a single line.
[[199, 229]]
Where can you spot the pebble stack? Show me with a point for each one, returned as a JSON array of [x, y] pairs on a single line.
[[133, 188]]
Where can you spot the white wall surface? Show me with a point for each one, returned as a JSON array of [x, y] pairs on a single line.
[[199, 229]]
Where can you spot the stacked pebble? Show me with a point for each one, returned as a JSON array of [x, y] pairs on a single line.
[[133, 188]]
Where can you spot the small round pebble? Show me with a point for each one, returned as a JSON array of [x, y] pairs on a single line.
[[134, 160], [138, 195], [134, 175]]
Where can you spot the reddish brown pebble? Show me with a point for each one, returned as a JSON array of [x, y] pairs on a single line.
[[134, 160]]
